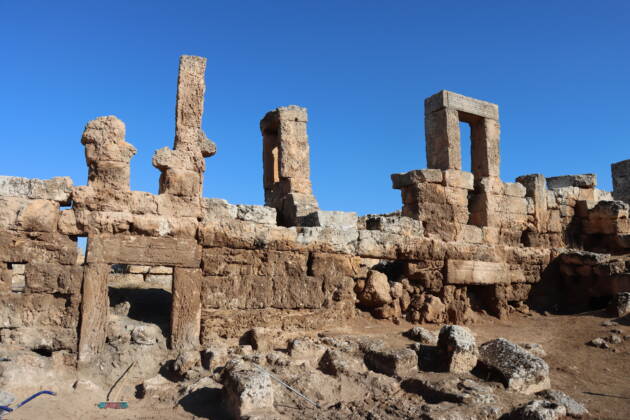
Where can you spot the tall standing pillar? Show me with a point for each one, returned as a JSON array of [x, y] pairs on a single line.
[[183, 166]]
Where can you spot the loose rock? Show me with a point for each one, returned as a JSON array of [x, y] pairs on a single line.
[[398, 362], [539, 410], [422, 335], [521, 371], [458, 349], [247, 389], [574, 408], [376, 292]]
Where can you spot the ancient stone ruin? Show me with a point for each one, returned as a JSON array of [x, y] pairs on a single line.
[[463, 243]]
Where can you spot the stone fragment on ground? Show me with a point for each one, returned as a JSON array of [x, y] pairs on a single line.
[[122, 309], [435, 390], [614, 339], [248, 391], [599, 343], [276, 358], [186, 363], [392, 362], [458, 348], [157, 387], [146, 334], [520, 370], [422, 335], [535, 349], [306, 350], [337, 363], [539, 410], [574, 409], [214, 356]]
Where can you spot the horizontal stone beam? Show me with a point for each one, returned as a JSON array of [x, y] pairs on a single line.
[[465, 104], [143, 250], [55, 189], [476, 272]]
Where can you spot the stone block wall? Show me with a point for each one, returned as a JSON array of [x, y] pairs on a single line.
[[40, 280], [463, 243]]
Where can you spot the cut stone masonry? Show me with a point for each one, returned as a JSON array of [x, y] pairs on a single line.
[[462, 243]]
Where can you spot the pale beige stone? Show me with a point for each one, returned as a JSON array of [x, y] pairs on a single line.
[[476, 272]]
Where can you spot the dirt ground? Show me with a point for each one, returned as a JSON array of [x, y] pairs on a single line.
[[598, 378]]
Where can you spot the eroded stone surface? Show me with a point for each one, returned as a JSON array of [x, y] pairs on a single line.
[[521, 371]]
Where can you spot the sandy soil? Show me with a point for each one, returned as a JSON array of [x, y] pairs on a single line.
[[598, 378]]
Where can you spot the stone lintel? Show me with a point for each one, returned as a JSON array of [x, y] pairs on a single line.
[[476, 272], [143, 250], [461, 103]]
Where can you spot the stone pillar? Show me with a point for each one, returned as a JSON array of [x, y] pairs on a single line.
[[535, 187], [443, 113], [443, 139], [183, 166], [286, 164], [107, 154], [186, 313], [621, 180], [94, 311], [484, 133]]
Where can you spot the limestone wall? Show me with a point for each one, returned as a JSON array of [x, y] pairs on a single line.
[[463, 243], [40, 281]]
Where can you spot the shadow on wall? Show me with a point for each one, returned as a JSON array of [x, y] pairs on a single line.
[[152, 306]]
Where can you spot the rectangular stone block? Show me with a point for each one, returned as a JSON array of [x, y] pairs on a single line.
[[240, 234], [514, 189], [476, 272], [447, 99], [457, 197], [326, 239], [164, 281], [470, 234], [442, 135], [395, 224], [54, 189], [215, 208], [186, 313], [161, 269], [94, 312], [260, 292], [333, 219], [122, 279], [257, 214], [10, 208], [417, 176], [459, 179], [485, 136], [580, 181], [424, 193], [139, 269], [53, 278], [142, 250]]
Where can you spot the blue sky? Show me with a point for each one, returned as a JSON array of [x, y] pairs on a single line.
[[559, 70]]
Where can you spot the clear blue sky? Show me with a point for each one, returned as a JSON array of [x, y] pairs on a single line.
[[559, 70]]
